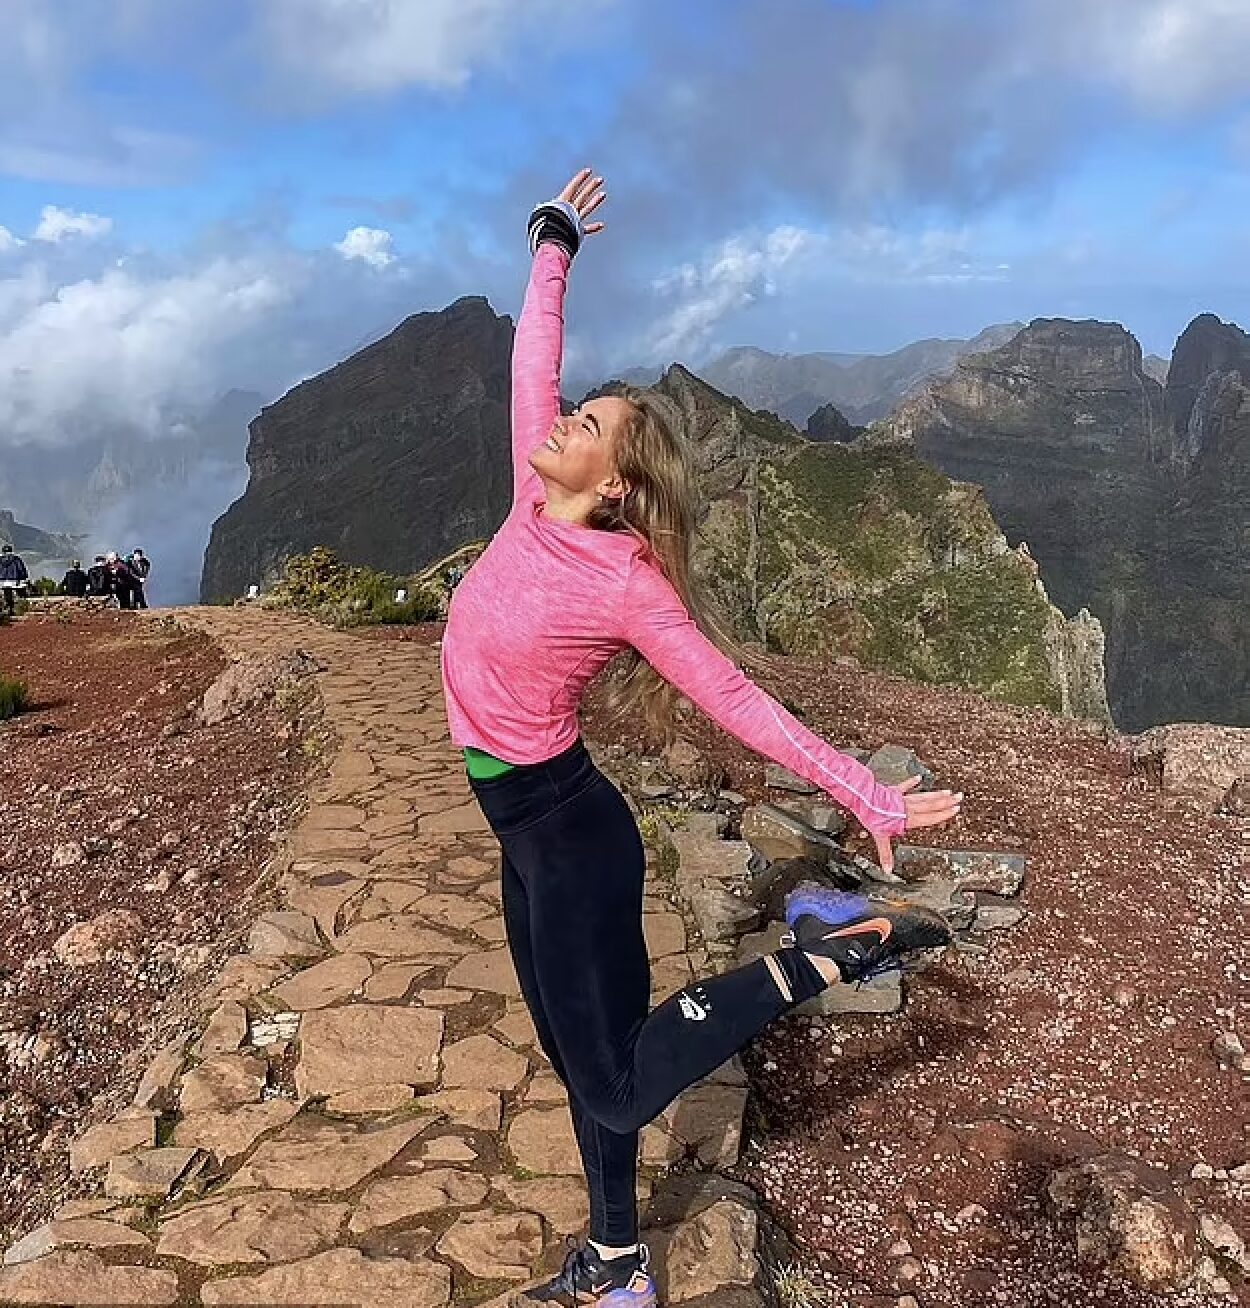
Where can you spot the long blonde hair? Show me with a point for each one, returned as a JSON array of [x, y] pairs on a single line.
[[662, 509]]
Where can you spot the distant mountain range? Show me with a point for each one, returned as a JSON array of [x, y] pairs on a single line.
[[1131, 495], [863, 387]]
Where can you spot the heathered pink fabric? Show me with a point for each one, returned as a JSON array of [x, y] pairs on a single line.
[[549, 603]]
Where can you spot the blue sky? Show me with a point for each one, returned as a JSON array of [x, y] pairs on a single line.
[[204, 195]]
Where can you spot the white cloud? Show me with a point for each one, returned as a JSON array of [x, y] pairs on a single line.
[[8, 241], [56, 224], [1168, 55], [730, 277], [371, 245], [120, 348], [384, 45], [933, 256]]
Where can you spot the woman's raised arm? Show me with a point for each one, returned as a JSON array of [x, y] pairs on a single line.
[[556, 230]]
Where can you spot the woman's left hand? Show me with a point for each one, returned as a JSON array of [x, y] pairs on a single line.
[[928, 808], [585, 193]]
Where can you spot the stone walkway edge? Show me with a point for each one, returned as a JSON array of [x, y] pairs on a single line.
[[365, 1117]]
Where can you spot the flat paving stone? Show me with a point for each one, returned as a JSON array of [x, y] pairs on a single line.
[[315, 1154], [562, 1201], [323, 984], [72, 1277], [494, 1246], [149, 1173], [387, 897], [97, 1145], [481, 1062], [269, 1227], [226, 1030], [285, 935], [480, 1110], [229, 1133], [243, 976], [223, 1082], [490, 970], [339, 1276], [397, 1198], [394, 980], [542, 1142], [371, 1099], [401, 936], [359, 1045], [454, 911], [67, 1232]]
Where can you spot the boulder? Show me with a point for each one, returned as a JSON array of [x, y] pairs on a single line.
[[90, 942], [1195, 761], [1128, 1220], [250, 682]]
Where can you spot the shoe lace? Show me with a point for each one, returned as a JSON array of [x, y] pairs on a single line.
[[574, 1275]]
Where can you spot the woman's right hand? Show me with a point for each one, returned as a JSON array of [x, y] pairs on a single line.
[[928, 808], [585, 193]]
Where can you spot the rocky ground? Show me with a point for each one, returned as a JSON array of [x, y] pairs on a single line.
[[909, 1154], [365, 1116], [130, 840]]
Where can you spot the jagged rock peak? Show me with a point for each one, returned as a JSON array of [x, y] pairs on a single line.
[[829, 423], [1208, 345]]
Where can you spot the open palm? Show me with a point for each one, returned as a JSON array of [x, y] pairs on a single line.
[[585, 193], [928, 808]]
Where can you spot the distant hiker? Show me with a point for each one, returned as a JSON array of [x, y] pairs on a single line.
[[75, 582], [123, 579], [13, 576], [99, 579], [604, 513], [140, 565]]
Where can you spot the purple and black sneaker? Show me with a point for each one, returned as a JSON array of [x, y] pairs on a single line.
[[588, 1281], [863, 936]]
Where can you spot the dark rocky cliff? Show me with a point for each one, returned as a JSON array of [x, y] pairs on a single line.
[[829, 549], [392, 458], [1132, 496]]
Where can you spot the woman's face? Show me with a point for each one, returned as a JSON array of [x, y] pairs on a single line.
[[579, 453]]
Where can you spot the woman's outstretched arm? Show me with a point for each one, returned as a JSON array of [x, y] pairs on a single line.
[[657, 624], [556, 230]]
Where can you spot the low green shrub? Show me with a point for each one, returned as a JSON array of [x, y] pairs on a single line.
[[42, 586], [13, 697], [348, 596]]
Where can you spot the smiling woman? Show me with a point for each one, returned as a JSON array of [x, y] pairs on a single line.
[[594, 561]]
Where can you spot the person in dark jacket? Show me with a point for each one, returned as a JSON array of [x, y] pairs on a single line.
[[123, 579], [140, 565], [99, 580], [13, 576], [75, 581]]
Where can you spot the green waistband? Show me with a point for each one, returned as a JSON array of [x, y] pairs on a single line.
[[482, 766]]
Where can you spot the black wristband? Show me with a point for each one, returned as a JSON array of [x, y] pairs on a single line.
[[555, 221]]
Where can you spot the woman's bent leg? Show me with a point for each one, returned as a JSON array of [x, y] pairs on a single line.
[[583, 866]]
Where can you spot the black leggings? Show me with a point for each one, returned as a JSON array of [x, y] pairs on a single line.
[[573, 869]]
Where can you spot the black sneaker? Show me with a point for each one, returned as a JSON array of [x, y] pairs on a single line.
[[863, 936], [588, 1281]]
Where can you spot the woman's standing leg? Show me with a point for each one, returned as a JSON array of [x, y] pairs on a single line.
[[609, 1160]]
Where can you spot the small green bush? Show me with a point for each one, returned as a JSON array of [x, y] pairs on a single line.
[[347, 596], [13, 697], [42, 586]]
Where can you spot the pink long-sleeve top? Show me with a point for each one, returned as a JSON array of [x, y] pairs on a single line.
[[549, 603]]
